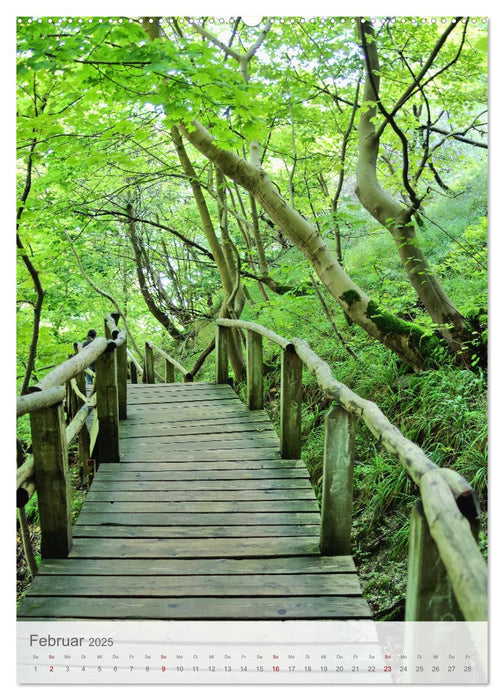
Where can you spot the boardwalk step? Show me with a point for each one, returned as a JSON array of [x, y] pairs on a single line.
[[250, 608]]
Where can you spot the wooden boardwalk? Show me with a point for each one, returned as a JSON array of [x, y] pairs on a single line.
[[201, 520]]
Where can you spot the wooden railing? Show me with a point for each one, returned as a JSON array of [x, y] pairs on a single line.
[[447, 575], [46, 469], [170, 365]]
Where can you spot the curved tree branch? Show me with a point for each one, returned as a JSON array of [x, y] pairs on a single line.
[[102, 292]]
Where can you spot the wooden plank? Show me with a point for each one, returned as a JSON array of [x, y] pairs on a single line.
[[190, 567], [100, 505], [248, 453], [154, 414], [283, 608], [106, 474], [256, 466], [128, 431], [174, 387], [208, 496], [189, 401], [189, 487], [233, 454], [194, 519], [257, 585], [240, 415], [192, 430], [144, 548], [112, 531], [203, 442]]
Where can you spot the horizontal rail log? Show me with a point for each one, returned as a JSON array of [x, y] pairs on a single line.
[[24, 492], [186, 374], [76, 390], [74, 428], [40, 399], [119, 340], [74, 365], [25, 471], [256, 328], [112, 326], [411, 456], [465, 496]]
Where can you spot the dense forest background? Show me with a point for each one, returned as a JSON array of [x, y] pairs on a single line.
[[324, 177]]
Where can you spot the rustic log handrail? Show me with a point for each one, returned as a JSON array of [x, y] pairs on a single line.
[[450, 506], [256, 328], [39, 399], [74, 365], [170, 365]]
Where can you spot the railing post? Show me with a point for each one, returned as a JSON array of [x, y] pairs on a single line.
[[83, 438], [254, 371], [121, 367], [290, 404], [133, 373], [149, 365], [50, 459], [107, 407], [429, 595], [122, 379], [221, 354], [337, 482], [169, 372]]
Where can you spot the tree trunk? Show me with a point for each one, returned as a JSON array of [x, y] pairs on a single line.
[[406, 339], [37, 307], [397, 219], [228, 282], [158, 313]]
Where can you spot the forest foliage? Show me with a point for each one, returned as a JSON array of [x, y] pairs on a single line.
[[324, 177]]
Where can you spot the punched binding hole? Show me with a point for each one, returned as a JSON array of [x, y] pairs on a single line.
[[251, 21]]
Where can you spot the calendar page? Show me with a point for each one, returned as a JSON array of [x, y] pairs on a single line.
[[301, 199], [252, 652]]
